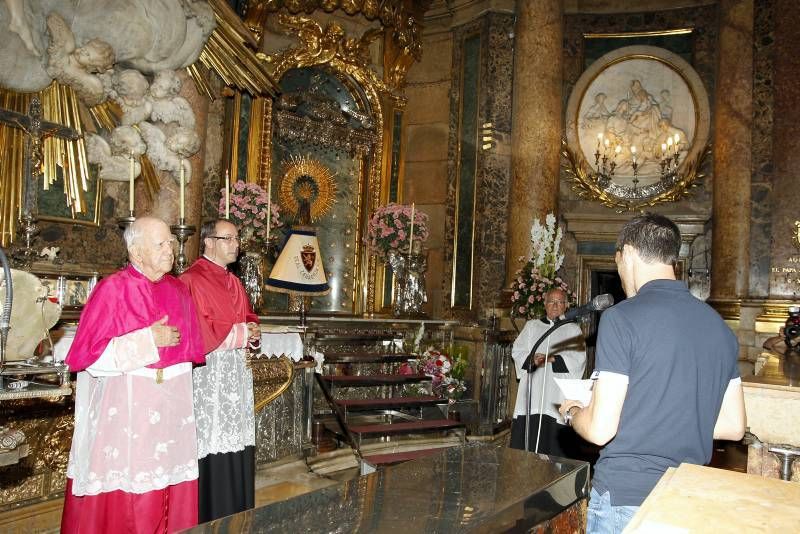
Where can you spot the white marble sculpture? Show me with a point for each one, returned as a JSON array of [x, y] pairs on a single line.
[[113, 156], [77, 66], [147, 35], [129, 90]]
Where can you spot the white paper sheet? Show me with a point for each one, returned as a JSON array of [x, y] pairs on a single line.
[[574, 389]]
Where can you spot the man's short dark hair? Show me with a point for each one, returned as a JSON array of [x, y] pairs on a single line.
[[208, 229], [655, 237]]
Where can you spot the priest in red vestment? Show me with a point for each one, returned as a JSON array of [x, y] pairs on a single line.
[[133, 462], [223, 388]]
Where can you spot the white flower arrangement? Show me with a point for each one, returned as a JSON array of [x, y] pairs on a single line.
[[539, 274]]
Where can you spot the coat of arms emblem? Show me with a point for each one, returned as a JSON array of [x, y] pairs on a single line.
[[309, 257]]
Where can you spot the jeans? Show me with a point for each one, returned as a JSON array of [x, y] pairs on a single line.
[[604, 518]]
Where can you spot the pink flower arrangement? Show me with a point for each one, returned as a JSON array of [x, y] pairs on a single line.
[[447, 375], [248, 209], [389, 229]]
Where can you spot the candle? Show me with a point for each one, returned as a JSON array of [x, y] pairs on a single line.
[[663, 148], [269, 206], [183, 182], [633, 154], [130, 185], [227, 195], [411, 236], [599, 139]]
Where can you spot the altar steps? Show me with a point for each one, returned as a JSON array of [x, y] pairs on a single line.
[[391, 403], [354, 357], [410, 427], [373, 380], [393, 458]]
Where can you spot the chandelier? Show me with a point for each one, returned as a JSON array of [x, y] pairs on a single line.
[[613, 153]]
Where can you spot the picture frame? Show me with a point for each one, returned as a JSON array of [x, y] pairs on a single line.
[[639, 100]]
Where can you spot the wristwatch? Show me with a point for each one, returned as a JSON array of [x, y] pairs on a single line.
[[569, 414]]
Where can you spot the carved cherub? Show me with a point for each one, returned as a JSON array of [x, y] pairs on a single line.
[[75, 66], [129, 90], [319, 46], [50, 253], [166, 105], [114, 157]]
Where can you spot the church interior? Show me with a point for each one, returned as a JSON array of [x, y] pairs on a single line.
[[408, 179]]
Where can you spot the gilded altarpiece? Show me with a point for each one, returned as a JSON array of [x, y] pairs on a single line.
[[335, 116]]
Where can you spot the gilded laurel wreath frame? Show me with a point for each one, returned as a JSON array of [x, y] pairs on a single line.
[[589, 184]]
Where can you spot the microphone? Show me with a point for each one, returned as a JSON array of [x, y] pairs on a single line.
[[599, 303]]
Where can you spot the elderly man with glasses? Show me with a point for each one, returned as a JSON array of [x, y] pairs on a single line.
[[133, 462], [566, 358], [223, 388]]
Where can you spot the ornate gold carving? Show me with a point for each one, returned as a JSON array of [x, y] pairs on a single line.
[[330, 45], [400, 17], [306, 179], [346, 61], [271, 377], [230, 52], [587, 185], [775, 311], [47, 425]]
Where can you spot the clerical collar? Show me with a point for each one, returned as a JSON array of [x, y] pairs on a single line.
[[545, 320]]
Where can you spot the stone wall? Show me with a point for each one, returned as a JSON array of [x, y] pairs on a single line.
[[425, 140]]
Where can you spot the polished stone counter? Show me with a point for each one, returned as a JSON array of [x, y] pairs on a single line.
[[474, 488], [694, 498]]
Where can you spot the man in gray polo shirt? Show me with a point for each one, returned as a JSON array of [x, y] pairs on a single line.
[[667, 379]]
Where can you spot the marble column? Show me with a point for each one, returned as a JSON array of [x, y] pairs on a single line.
[[537, 121], [785, 269], [733, 123]]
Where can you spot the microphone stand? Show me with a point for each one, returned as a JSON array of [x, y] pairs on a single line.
[[530, 367]]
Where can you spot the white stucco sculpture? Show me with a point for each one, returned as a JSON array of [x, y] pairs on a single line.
[[147, 35], [113, 156], [77, 66]]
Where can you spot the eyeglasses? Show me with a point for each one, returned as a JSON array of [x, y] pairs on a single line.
[[226, 238], [560, 302]]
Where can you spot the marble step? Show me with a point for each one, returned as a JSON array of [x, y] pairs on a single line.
[[398, 457], [355, 357], [394, 403], [410, 427], [373, 380]]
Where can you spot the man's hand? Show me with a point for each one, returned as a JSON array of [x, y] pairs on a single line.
[[538, 359], [253, 332], [567, 404], [164, 335]]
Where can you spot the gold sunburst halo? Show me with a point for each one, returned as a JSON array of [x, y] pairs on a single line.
[[306, 179]]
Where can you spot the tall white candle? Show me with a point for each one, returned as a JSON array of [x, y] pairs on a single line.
[[183, 184], [130, 185], [227, 195], [269, 206], [411, 236]]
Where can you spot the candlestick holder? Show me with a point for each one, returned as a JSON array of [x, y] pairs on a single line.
[[125, 222], [25, 255], [182, 231]]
